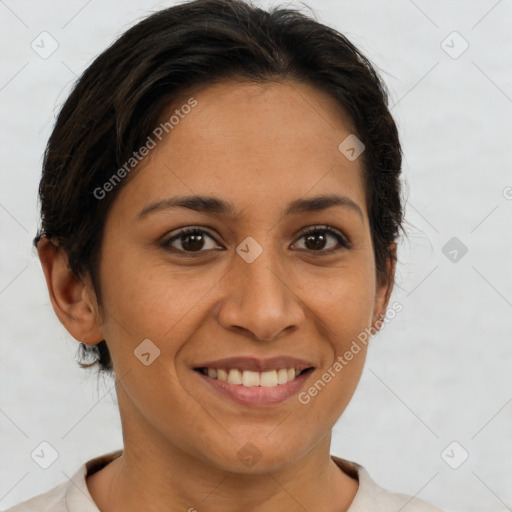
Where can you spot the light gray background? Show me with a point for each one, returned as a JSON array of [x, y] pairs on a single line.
[[439, 372]]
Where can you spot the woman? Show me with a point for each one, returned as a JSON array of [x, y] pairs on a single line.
[[220, 206]]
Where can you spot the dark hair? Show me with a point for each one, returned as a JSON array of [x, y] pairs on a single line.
[[119, 98]]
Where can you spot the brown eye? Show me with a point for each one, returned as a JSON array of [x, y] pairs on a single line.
[[189, 240], [317, 240]]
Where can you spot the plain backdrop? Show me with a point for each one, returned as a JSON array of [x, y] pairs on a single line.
[[437, 387]]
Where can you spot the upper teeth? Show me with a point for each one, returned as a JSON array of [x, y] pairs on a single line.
[[251, 379]]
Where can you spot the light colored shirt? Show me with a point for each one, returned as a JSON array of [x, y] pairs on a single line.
[[74, 496]]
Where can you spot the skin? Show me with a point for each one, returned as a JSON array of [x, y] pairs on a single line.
[[258, 147]]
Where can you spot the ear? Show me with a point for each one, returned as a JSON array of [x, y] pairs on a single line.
[[383, 291], [73, 298]]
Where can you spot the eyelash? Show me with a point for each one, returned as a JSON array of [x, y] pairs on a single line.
[[344, 243]]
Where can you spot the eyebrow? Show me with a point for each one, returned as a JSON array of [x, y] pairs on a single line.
[[209, 204]]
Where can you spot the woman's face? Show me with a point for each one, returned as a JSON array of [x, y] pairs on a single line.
[[251, 283]]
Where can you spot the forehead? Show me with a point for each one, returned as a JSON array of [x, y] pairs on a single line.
[[248, 141]]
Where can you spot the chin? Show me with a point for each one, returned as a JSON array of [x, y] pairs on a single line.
[[256, 455]]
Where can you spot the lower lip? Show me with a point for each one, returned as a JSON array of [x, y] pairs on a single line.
[[257, 396]]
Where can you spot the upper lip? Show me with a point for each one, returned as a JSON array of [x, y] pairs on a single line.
[[255, 364]]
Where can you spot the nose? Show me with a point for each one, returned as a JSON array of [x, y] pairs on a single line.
[[259, 298]]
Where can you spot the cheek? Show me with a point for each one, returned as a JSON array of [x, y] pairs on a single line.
[[144, 300], [342, 308], [335, 387], [343, 301]]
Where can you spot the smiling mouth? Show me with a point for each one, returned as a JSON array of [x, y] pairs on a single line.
[[249, 378]]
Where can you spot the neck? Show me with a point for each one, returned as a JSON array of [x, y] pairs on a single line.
[[154, 475]]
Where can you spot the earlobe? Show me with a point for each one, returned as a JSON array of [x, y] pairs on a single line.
[[72, 298]]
